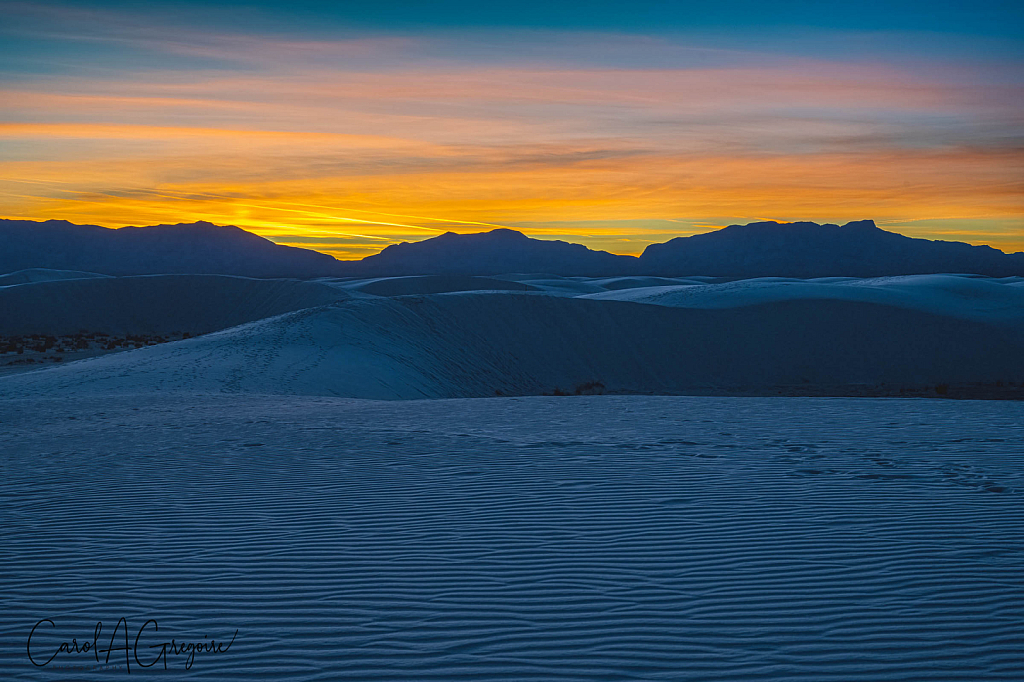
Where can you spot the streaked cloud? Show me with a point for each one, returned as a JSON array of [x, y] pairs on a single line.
[[354, 140]]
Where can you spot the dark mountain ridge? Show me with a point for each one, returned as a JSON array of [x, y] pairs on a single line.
[[802, 249], [185, 248], [496, 252]]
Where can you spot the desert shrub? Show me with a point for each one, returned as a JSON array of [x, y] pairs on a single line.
[[590, 388]]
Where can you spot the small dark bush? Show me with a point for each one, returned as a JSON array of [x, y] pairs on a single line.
[[590, 388]]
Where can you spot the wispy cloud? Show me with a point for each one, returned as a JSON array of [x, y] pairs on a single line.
[[359, 139]]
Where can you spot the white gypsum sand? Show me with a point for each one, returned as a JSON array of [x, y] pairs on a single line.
[[242, 480], [580, 538], [478, 344]]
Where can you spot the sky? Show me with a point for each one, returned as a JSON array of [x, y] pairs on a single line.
[[347, 126]]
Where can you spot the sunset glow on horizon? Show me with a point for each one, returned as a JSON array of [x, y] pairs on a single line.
[[347, 136]]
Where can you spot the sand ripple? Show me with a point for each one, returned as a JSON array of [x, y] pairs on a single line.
[[613, 538]]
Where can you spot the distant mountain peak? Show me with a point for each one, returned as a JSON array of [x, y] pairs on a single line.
[[806, 249], [193, 248], [768, 248], [197, 225], [799, 225], [497, 234], [498, 251], [506, 233], [861, 224]]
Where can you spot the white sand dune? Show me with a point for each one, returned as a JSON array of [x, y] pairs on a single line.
[[616, 283], [216, 483], [431, 284], [965, 297], [43, 275], [153, 304], [483, 344], [565, 286], [557, 539]]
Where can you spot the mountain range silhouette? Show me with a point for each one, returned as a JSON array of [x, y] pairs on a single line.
[[763, 249]]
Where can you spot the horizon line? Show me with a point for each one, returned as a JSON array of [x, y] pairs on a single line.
[[500, 227]]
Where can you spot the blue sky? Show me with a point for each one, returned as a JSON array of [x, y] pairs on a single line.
[[353, 125], [998, 18]]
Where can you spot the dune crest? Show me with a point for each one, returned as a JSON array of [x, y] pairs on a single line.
[[506, 343], [153, 304]]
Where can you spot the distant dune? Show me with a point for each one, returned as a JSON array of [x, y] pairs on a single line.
[[43, 275], [968, 298], [152, 304], [433, 284], [483, 344]]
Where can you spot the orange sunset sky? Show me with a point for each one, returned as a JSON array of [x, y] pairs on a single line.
[[346, 140]]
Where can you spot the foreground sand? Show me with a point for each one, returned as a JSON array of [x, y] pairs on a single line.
[[579, 538]]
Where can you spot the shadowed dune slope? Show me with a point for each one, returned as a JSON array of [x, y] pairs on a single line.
[[434, 284], [617, 283], [32, 275], [467, 345], [964, 297], [153, 304]]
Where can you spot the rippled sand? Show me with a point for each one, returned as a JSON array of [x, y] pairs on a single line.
[[584, 538]]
